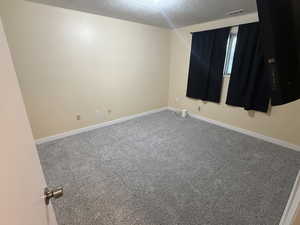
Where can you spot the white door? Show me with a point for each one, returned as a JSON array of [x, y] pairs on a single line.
[[21, 177]]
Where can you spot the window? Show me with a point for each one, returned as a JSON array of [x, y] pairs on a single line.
[[231, 44]]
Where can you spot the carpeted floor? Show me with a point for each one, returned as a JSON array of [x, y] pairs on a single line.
[[164, 170]]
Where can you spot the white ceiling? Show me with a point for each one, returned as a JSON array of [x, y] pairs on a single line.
[[163, 13]]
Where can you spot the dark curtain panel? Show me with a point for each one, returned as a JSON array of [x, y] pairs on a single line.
[[280, 24], [207, 64], [250, 80]]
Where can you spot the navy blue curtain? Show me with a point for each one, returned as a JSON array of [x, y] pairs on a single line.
[[206, 64], [250, 80]]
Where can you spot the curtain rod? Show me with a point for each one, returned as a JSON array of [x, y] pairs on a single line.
[[222, 27], [209, 29]]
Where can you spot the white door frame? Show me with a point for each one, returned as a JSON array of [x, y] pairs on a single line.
[[293, 205]]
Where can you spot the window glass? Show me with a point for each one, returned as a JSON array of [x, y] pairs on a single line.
[[231, 45]]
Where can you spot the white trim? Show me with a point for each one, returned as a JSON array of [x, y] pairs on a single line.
[[244, 131], [218, 123], [93, 127], [293, 204]]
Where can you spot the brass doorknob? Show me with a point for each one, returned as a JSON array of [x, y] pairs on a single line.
[[53, 193]]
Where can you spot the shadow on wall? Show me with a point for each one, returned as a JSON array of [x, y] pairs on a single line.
[[251, 113]]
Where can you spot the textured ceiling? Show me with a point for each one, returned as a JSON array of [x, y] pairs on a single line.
[[163, 13]]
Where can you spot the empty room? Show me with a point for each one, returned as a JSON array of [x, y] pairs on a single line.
[[150, 112]]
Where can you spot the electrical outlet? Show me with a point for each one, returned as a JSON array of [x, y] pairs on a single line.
[[199, 108], [78, 117], [109, 111]]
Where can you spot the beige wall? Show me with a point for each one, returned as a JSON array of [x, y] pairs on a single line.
[[282, 122], [71, 63]]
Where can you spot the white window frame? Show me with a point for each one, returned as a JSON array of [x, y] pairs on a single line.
[[230, 50]]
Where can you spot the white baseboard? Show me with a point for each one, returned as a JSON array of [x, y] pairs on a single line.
[[293, 204], [244, 131], [218, 123], [93, 127]]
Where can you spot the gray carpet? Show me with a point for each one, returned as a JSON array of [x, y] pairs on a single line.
[[164, 170]]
